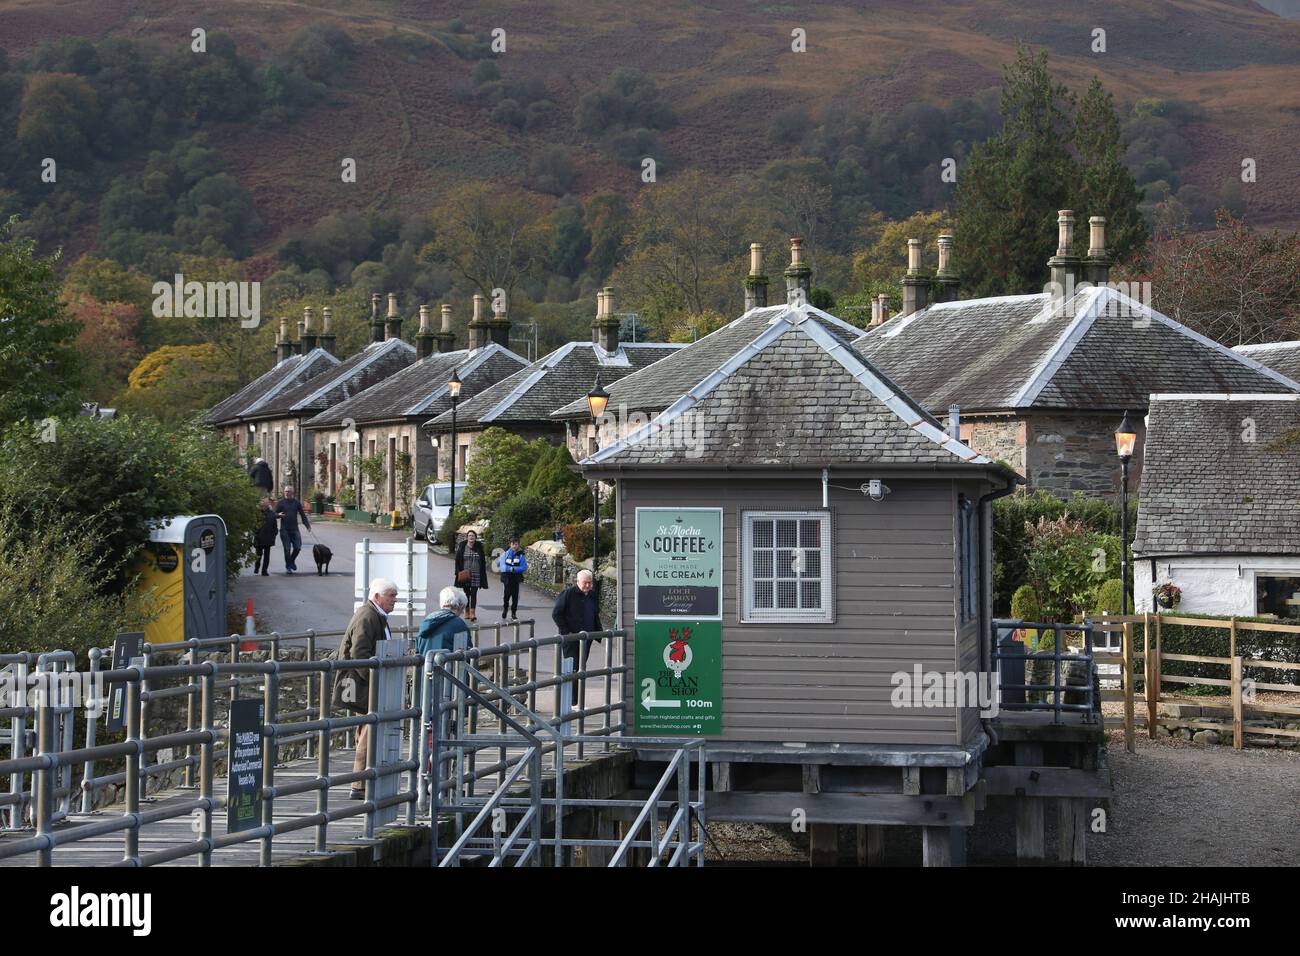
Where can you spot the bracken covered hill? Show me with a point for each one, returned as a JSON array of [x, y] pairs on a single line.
[[404, 107]]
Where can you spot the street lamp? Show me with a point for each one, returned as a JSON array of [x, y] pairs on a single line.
[[453, 389], [1125, 439], [597, 400]]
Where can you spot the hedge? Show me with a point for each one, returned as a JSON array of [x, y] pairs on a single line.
[[1213, 642]]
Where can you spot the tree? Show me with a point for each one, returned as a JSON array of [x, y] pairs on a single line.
[[175, 381], [491, 236], [1236, 285], [107, 342], [1013, 184], [1106, 187], [59, 117], [881, 267], [40, 368], [499, 466], [608, 218]]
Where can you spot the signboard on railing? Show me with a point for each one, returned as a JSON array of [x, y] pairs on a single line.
[[679, 677], [244, 766], [678, 564], [126, 648]]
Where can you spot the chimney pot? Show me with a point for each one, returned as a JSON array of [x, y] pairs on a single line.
[[916, 288], [424, 319], [1097, 236], [1065, 264], [884, 307], [478, 307], [1064, 232], [945, 277], [798, 276], [327, 319], [914, 257], [446, 318], [392, 305], [954, 422], [796, 251], [446, 338], [376, 322], [875, 311], [755, 258]]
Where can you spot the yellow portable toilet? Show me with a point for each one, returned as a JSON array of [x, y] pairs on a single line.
[[185, 563]]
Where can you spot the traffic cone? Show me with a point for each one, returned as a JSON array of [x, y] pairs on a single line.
[[250, 628]]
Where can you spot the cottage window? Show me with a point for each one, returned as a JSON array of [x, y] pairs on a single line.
[[786, 566], [1276, 595], [968, 556]]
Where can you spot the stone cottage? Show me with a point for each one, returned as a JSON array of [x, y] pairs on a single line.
[[1219, 507]]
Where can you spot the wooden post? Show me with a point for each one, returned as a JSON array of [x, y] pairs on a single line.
[[823, 844], [1232, 636], [871, 845], [1030, 846], [1237, 728], [722, 776], [1126, 651], [1071, 831]]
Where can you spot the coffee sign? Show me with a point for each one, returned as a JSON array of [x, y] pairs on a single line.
[[678, 563]]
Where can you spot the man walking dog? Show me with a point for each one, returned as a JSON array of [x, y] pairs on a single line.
[[289, 509]]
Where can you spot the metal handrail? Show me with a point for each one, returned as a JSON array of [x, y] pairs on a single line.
[[1057, 688]]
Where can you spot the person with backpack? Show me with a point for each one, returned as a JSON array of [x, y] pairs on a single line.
[[513, 566], [445, 630]]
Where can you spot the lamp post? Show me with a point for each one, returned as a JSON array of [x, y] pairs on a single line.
[[1125, 439], [453, 389], [597, 400]]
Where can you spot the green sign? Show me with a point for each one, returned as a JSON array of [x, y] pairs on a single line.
[[244, 771], [679, 677], [678, 563]]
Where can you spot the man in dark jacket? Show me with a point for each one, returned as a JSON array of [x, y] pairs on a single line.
[[264, 539], [290, 509], [260, 473], [576, 610], [369, 626]]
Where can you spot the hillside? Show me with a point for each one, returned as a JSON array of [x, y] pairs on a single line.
[[404, 107]]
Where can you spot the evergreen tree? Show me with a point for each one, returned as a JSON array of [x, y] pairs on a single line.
[[1008, 195], [1106, 186]]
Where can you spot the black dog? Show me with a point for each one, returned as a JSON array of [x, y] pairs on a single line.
[[322, 556]]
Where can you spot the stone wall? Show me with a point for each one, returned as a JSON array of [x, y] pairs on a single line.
[[550, 569], [1002, 439]]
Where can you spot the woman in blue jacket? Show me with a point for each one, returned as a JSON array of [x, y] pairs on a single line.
[[513, 566]]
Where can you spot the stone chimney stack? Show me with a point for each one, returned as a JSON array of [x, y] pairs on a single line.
[[393, 321], [884, 307], [499, 327], [604, 331], [916, 287], [297, 346], [1096, 268], [1065, 264], [309, 331], [947, 282], [478, 326], [424, 338], [446, 337], [798, 276], [283, 345], [328, 340], [954, 422], [376, 320], [875, 312], [756, 281]]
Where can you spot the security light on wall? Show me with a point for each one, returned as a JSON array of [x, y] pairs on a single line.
[[433, 440], [875, 489]]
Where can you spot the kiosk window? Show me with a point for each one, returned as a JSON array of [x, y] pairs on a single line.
[[1276, 595], [786, 566]]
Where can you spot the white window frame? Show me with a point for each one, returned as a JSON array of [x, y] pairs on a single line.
[[750, 614]]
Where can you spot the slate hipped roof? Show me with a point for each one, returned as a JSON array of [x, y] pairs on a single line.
[[1099, 350], [795, 395], [420, 390], [1281, 357], [284, 375], [372, 364], [1221, 476], [566, 375], [664, 382]]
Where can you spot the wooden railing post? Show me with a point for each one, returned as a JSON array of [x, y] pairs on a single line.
[[1152, 688], [1237, 738], [1126, 650]]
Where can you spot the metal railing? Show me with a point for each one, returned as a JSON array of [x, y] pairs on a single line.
[[47, 666], [1014, 694], [507, 824], [206, 685]]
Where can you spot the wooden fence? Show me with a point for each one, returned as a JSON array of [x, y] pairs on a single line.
[[1144, 707]]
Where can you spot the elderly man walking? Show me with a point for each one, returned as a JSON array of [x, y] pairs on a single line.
[[290, 509], [369, 626], [576, 610]]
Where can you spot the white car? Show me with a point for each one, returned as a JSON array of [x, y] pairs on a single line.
[[432, 508]]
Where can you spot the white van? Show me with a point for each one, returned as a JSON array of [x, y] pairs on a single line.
[[433, 506]]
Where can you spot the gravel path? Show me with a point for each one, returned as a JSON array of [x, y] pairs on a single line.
[[1178, 804]]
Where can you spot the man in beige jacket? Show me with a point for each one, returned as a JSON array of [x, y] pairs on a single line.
[[368, 626]]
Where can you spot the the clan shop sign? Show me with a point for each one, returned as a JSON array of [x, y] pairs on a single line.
[[679, 677], [678, 564], [244, 780]]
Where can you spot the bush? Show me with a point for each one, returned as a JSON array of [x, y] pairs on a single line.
[[1066, 564], [577, 539], [1214, 642], [537, 534], [514, 517], [554, 480], [1010, 538], [500, 465], [1109, 596]]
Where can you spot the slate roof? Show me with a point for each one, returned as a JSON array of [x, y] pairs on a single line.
[[1206, 489], [666, 381], [372, 364], [420, 390], [1281, 357], [1100, 350], [795, 395], [564, 376], [284, 375]]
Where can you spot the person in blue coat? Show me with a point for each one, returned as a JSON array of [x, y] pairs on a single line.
[[513, 565], [445, 630]]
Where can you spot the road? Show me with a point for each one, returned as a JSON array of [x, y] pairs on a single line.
[[297, 602]]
